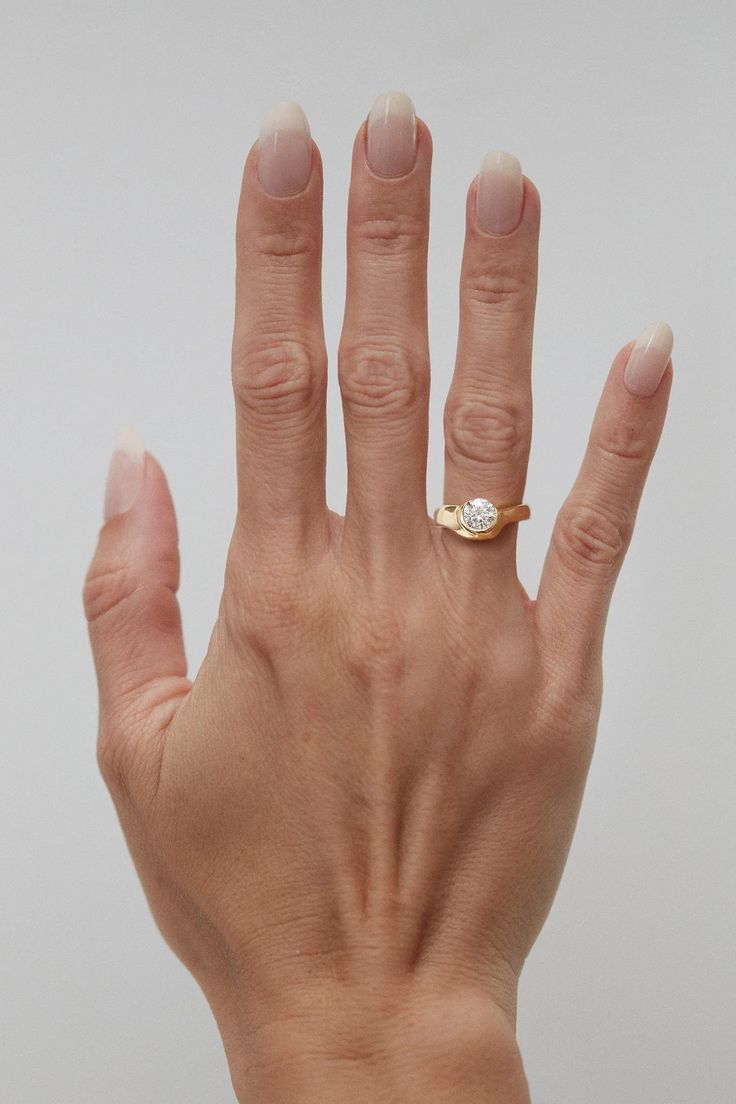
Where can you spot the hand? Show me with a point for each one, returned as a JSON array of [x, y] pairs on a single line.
[[351, 826]]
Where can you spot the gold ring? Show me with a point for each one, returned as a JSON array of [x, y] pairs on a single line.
[[479, 519]]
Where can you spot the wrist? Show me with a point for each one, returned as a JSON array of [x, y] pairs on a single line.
[[458, 1048]]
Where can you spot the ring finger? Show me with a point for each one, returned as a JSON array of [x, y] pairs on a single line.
[[488, 412]]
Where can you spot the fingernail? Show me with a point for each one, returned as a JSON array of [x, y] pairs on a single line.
[[500, 194], [392, 135], [648, 360], [125, 475], [285, 150]]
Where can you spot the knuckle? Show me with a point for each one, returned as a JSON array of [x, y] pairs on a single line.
[[128, 759], [114, 762], [396, 234], [277, 375], [567, 717], [485, 430], [281, 247], [572, 695], [562, 737], [267, 607], [623, 440], [499, 288], [381, 378], [376, 652], [588, 539], [120, 589], [108, 589]]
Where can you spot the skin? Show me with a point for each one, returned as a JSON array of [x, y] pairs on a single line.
[[350, 827]]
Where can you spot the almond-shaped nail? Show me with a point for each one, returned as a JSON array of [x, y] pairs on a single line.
[[648, 359], [500, 194], [392, 135], [285, 150], [125, 475]]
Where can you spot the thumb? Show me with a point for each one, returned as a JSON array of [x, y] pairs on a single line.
[[131, 608]]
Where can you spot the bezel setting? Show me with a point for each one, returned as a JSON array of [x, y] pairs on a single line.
[[478, 516]]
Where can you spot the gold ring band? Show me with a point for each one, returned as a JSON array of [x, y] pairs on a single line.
[[479, 519]]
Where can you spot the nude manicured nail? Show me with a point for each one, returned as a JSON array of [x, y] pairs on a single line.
[[392, 135], [500, 194], [648, 360], [125, 475], [285, 150]]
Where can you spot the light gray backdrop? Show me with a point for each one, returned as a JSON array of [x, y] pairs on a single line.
[[125, 127]]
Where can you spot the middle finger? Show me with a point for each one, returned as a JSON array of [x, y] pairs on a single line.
[[383, 358]]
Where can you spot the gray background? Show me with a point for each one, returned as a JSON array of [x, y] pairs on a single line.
[[125, 127]]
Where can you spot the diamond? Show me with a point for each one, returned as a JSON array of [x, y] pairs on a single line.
[[479, 515]]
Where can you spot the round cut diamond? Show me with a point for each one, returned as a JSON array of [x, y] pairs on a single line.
[[479, 515]]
